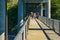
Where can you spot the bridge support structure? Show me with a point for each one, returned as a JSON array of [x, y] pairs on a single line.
[[47, 9], [21, 11], [2, 19]]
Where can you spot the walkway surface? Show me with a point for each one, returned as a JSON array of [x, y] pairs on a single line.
[[39, 31]]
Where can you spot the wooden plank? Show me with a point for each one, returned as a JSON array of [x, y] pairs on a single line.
[[36, 35], [33, 24], [52, 35]]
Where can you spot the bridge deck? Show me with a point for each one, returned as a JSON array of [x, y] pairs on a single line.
[[41, 33], [50, 33], [33, 24], [35, 34]]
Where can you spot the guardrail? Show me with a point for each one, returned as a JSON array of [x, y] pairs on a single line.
[[2, 36], [23, 32], [51, 23]]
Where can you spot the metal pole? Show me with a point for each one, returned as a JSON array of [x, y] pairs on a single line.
[[59, 28]]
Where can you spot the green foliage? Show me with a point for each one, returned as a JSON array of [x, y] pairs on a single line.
[[12, 19], [8, 1], [55, 8]]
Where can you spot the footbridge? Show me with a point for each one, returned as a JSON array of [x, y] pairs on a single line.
[[41, 28]]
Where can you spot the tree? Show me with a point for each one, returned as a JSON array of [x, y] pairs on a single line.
[[55, 9]]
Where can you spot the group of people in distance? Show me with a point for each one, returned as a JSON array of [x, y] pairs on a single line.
[[35, 15]]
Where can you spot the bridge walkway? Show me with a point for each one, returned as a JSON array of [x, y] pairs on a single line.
[[39, 31]]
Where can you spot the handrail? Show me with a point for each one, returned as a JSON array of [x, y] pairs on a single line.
[[51, 23], [22, 33], [2, 36]]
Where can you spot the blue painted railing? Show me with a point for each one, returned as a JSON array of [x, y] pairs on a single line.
[[35, 1]]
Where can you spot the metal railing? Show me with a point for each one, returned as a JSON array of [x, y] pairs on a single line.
[[23, 32], [2, 36], [51, 23]]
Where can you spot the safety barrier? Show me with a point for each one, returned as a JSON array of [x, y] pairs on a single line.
[[51, 23], [2, 36], [23, 32]]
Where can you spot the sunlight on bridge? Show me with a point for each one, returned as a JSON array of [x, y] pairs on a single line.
[[35, 34], [28, 20], [39, 31]]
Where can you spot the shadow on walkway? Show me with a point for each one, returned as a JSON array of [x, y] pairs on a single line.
[[49, 33]]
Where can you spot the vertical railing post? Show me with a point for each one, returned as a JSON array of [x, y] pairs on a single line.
[[59, 27], [26, 28], [53, 24], [49, 22], [46, 20]]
